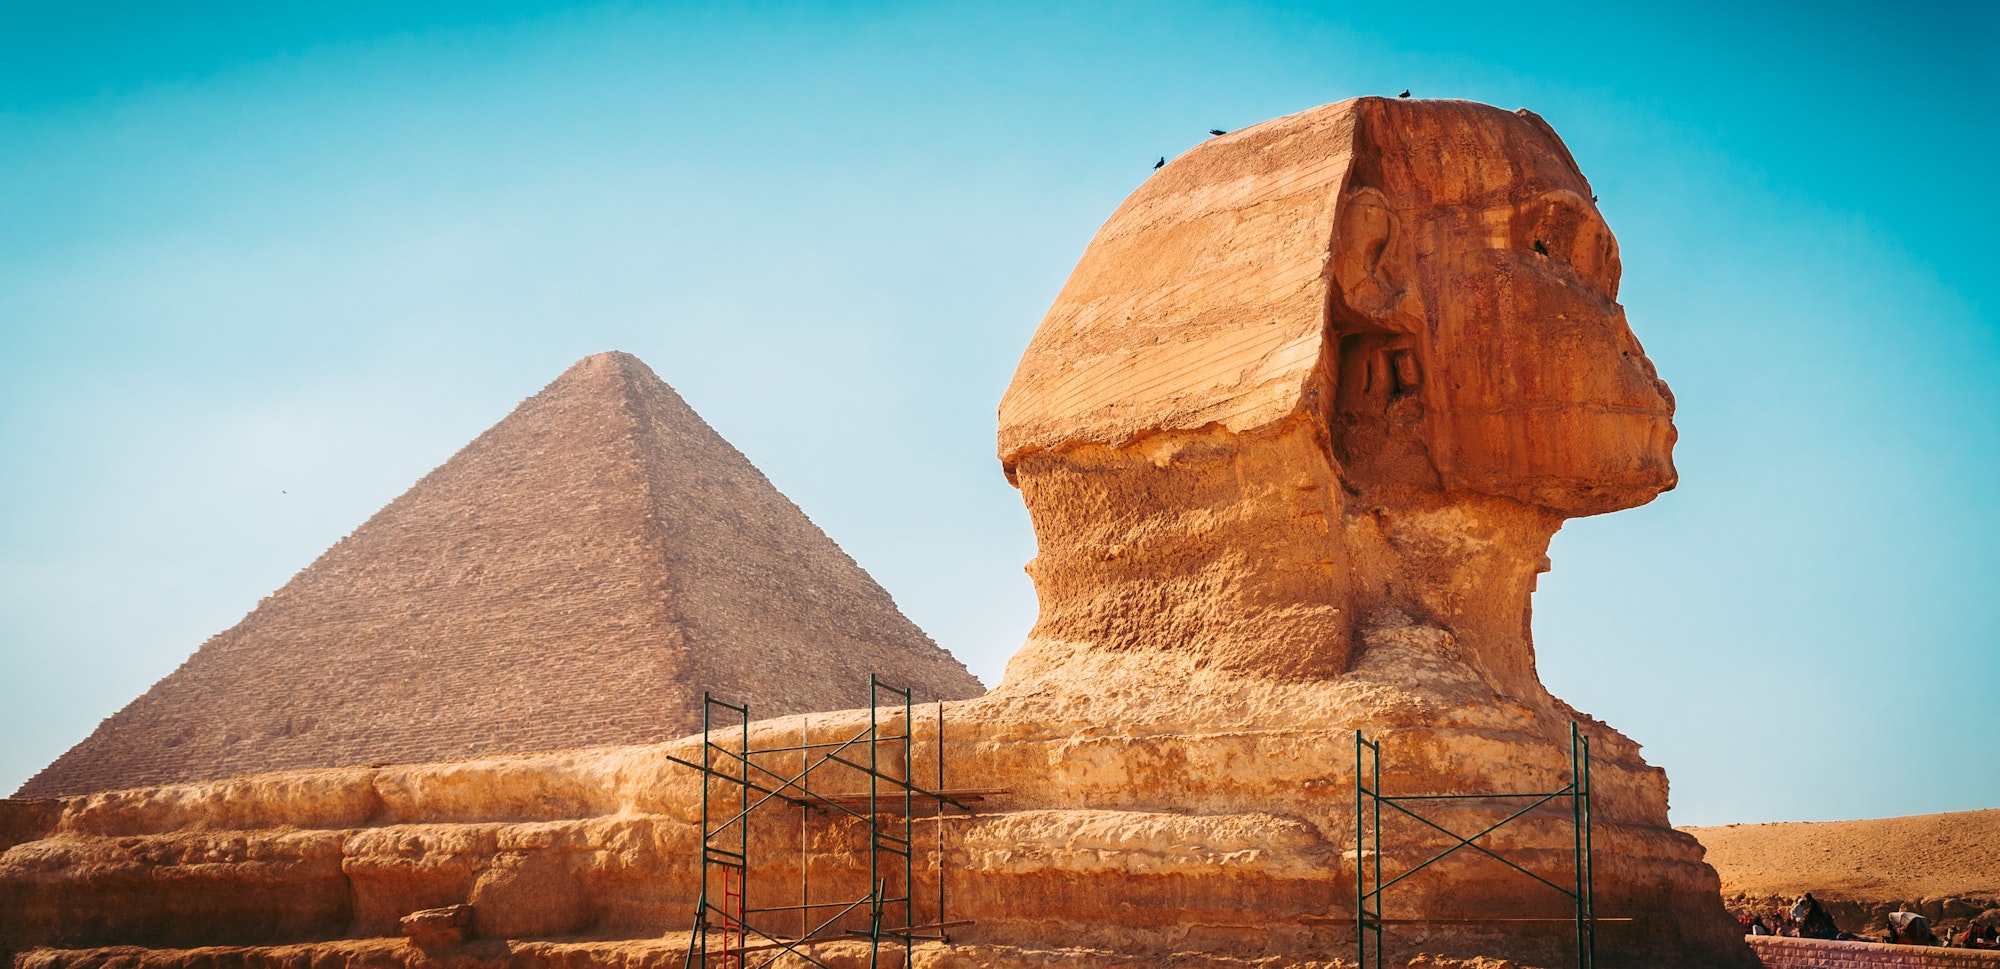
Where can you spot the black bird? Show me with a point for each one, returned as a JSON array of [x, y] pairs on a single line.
[[1217, 131], [1405, 94], [1162, 163], [1539, 247], [1593, 198]]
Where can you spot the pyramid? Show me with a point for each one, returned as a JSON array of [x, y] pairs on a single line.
[[576, 576]]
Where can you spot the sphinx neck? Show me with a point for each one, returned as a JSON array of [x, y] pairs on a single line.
[[1466, 564], [1245, 554]]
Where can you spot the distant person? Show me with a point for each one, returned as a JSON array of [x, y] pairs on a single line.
[[1757, 926], [1909, 928], [1814, 921]]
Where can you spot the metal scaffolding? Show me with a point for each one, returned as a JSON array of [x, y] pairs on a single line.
[[741, 783], [1369, 801]]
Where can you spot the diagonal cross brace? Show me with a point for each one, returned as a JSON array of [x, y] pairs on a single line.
[[1464, 842]]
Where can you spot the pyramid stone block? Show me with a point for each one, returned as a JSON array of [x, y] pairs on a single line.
[[576, 576]]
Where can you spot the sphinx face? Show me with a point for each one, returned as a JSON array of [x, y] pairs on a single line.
[[1538, 390]]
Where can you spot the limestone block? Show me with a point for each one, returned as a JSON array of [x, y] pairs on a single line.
[[436, 929], [528, 893], [394, 871], [173, 889]]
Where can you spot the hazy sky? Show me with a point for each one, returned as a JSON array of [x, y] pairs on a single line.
[[259, 271]]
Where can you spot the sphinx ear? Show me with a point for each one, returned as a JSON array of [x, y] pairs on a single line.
[[1366, 254]]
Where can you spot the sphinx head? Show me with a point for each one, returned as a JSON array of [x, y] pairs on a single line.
[[1368, 355]]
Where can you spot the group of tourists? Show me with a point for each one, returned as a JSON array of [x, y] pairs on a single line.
[[1909, 928], [1808, 919]]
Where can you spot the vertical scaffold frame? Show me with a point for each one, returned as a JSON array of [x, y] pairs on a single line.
[[724, 925], [1369, 801]]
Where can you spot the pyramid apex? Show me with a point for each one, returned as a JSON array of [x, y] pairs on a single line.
[[607, 362], [612, 372]]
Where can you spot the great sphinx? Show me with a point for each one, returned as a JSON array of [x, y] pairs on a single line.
[[1294, 437]]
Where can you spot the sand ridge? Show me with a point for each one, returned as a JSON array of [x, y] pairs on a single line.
[[1889, 859]]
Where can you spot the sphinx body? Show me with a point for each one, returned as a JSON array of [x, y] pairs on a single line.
[[1295, 437]]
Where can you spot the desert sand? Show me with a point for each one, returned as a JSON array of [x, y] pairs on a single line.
[[1946, 866]]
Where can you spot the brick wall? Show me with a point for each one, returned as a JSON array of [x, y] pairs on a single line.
[[1783, 953]]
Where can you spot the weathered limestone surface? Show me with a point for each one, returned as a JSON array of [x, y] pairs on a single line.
[[574, 577], [1294, 438]]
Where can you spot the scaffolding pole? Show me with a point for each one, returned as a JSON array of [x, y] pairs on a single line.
[[1369, 884], [724, 922]]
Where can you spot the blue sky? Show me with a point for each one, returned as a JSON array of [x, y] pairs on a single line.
[[261, 269]]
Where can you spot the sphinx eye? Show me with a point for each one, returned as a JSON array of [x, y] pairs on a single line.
[[1556, 229]]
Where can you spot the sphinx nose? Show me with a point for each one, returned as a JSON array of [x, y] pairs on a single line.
[[1634, 356]]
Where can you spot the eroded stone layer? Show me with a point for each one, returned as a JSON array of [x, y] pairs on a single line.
[[1230, 836]]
